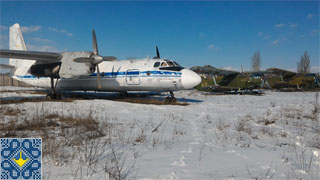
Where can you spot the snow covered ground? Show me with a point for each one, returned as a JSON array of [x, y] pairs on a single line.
[[274, 136]]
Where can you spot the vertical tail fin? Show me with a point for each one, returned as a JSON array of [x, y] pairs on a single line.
[[16, 42]]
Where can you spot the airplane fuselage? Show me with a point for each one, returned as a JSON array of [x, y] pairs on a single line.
[[124, 75]]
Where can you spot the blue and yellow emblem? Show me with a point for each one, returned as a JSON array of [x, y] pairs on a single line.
[[20, 158]]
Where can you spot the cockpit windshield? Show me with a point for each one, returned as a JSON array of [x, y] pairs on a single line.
[[175, 63], [168, 65], [171, 63]]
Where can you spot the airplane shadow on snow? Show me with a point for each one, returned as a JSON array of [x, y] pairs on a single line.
[[66, 95], [160, 96]]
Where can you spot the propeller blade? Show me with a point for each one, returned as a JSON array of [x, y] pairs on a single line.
[[83, 60], [98, 77], [158, 54], [109, 58], [94, 43]]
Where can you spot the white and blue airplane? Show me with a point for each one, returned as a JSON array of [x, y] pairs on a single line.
[[88, 71]]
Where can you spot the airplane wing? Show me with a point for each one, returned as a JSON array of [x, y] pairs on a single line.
[[31, 55]]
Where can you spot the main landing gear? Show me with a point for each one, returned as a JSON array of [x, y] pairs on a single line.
[[170, 98], [52, 94]]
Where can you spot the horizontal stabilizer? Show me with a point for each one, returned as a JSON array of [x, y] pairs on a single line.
[[6, 66]]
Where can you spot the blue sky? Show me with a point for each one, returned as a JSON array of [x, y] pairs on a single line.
[[222, 34]]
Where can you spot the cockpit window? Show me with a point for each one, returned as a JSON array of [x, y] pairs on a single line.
[[170, 63], [175, 63], [164, 64], [157, 64]]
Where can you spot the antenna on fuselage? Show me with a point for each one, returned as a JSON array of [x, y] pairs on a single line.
[[158, 54]]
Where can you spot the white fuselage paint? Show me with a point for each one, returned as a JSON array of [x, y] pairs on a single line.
[[124, 75]]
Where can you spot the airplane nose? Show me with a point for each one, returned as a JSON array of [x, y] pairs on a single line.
[[189, 79]]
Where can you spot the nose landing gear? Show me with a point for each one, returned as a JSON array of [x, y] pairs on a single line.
[[171, 98]]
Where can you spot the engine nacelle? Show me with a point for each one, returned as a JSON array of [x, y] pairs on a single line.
[[71, 69]]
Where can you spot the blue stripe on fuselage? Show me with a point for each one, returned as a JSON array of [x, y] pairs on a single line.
[[137, 73], [120, 74], [28, 77]]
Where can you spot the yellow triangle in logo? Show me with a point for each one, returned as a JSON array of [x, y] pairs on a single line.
[[20, 161]]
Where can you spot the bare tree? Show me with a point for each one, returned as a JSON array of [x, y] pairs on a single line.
[[303, 66], [256, 61]]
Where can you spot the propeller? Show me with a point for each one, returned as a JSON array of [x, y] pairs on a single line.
[[95, 59]]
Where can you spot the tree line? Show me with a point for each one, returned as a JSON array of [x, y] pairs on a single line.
[[303, 65]]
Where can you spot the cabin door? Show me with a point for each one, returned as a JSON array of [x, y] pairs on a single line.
[[133, 77]]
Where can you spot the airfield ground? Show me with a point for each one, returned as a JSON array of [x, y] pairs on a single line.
[[274, 136]]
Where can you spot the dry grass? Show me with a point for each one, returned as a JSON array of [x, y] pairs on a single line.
[[243, 125], [7, 111], [43, 123], [42, 99], [25, 91]]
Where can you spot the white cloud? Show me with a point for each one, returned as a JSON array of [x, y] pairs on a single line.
[[66, 33], [266, 37], [2, 28], [309, 16], [314, 32], [4, 45], [293, 25], [202, 35], [279, 25], [275, 42], [27, 29], [53, 29], [290, 25], [229, 68], [44, 48], [37, 39], [4, 42], [61, 31], [211, 46], [3, 37]]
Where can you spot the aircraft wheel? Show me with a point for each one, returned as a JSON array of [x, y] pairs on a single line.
[[170, 100], [52, 96], [48, 97]]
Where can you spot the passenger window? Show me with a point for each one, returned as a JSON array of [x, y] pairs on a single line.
[[164, 64], [157, 64]]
